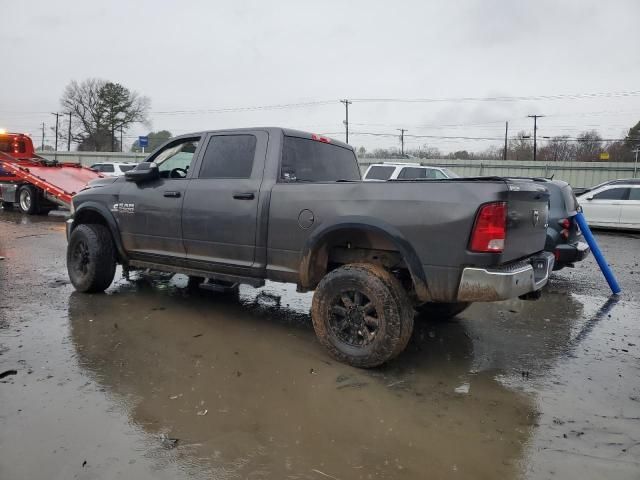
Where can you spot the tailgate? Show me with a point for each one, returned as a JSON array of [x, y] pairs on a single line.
[[527, 219]]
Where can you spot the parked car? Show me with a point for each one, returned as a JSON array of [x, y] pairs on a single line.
[[406, 171], [113, 169], [246, 205], [614, 204], [564, 238]]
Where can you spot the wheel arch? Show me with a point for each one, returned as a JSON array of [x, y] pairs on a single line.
[[93, 212], [315, 253]]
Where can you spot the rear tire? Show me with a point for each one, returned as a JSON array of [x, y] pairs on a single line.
[[441, 311], [28, 199], [91, 259], [362, 315]]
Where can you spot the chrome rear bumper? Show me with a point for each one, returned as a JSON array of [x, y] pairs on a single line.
[[509, 281]]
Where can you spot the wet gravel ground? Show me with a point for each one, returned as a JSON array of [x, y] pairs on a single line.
[[152, 381]]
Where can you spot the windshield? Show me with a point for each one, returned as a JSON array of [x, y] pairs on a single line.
[[450, 173]]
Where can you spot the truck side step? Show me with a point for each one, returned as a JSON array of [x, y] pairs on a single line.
[[219, 277]]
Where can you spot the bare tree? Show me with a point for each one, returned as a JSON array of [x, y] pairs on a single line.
[[589, 145], [521, 148], [558, 149], [100, 109]]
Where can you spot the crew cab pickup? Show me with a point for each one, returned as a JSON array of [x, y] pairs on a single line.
[[247, 205]]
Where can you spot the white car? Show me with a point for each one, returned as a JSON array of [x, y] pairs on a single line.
[[113, 169], [614, 204], [406, 171]]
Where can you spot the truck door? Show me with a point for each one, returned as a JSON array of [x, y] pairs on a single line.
[[149, 213], [221, 204]]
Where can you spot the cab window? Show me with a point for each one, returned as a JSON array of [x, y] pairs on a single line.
[[176, 158], [612, 194]]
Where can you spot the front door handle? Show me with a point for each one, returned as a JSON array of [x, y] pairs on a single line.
[[243, 195], [172, 194]]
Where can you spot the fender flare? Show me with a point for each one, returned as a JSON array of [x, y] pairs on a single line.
[[369, 224], [110, 221]]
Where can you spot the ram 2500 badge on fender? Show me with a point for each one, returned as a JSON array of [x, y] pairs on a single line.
[[241, 206]]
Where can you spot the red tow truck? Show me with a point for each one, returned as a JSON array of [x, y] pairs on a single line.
[[31, 182]]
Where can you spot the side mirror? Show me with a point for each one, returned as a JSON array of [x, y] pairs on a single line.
[[143, 172], [589, 198]]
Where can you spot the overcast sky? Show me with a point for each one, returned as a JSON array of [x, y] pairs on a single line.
[[207, 55]]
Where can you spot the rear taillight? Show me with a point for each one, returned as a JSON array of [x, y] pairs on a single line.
[[489, 228], [565, 223]]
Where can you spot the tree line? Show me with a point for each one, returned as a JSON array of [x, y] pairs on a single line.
[[586, 147]]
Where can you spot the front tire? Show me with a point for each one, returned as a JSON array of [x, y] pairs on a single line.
[[28, 199], [91, 259], [362, 315]]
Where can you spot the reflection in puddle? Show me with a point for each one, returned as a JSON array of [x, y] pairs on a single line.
[[244, 387]]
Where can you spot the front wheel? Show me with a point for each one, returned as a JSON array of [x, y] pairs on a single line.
[[91, 259], [362, 315]]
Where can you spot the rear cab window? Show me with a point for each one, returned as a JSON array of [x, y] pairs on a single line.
[[306, 160], [379, 172]]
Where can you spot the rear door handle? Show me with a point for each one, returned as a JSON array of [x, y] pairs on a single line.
[[243, 195], [172, 194]]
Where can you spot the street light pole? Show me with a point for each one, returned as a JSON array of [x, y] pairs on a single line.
[[69, 135], [635, 164], [56, 147]]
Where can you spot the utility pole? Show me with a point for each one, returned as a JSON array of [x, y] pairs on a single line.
[[42, 146], [56, 148], [121, 138], [506, 132], [69, 135], [635, 164], [402, 130], [346, 121], [535, 129]]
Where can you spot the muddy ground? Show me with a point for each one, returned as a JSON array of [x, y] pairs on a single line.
[[152, 381]]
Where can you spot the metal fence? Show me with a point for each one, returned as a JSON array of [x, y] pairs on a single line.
[[578, 174], [89, 158]]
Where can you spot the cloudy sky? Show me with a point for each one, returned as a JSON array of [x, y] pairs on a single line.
[[196, 58]]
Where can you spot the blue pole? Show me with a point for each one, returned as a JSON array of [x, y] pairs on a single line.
[[597, 253]]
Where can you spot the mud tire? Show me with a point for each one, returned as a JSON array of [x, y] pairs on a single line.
[[392, 308], [441, 311], [91, 259]]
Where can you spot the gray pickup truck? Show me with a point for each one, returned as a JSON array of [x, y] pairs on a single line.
[[246, 205]]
